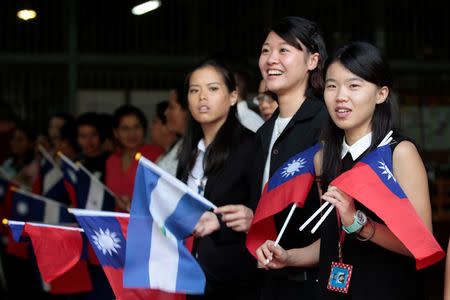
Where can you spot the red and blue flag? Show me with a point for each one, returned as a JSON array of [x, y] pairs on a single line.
[[107, 233], [291, 183], [86, 191], [60, 252], [372, 183]]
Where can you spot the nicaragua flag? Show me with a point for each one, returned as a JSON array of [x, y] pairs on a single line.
[[107, 233], [372, 183], [164, 212], [27, 206], [291, 183], [60, 252]]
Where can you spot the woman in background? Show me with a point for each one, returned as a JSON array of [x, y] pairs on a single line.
[[129, 126], [176, 113]]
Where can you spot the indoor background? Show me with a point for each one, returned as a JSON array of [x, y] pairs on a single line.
[[77, 56]]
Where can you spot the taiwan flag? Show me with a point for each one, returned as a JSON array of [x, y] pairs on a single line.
[[372, 183], [291, 183], [27, 206], [92, 193], [107, 233], [50, 180], [85, 190], [60, 252]]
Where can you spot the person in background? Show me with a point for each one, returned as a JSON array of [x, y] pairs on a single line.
[[213, 161], [65, 140], [54, 125], [90, 138], [291, 63], [21, 166], [8, 122], [129, 127], [266, 100], [247, 117], [175, 113], [160, 134], [109, 143]]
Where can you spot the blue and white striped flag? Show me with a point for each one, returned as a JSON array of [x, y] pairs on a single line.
[[164, 212]]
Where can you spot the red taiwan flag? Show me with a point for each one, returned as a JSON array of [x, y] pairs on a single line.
[[107, 233], [372, 183], [291, 183], [61, 255]]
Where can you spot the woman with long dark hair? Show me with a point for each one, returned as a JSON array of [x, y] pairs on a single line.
[[213, 161], [291, 63], [358, 95]]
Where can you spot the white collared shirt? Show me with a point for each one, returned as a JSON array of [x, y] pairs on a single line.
[[357, 148], [248, 117], [197, 177]]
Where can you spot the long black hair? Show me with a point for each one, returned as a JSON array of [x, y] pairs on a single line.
[[218, 151], [365, 61], [295, 29]]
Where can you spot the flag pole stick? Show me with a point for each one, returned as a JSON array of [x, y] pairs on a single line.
[[294, 205], [288, 218], [67, 160], [325, 204], [325, 215], [46, 154]]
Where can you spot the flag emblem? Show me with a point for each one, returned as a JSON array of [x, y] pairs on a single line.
[[386, 170], [106, 241], [293, 167], [22, 208]]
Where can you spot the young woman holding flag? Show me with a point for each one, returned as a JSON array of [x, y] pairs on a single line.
[[356, 244], [214, 161], [291, 63]]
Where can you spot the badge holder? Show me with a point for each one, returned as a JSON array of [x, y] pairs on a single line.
[[341, 273]]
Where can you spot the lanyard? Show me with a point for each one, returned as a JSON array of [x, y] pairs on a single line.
[[341, 236]]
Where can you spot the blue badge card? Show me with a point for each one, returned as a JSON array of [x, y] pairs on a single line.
[[340, 277]]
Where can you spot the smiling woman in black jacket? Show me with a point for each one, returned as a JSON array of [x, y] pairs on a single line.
[[213, 161], [291, 63]]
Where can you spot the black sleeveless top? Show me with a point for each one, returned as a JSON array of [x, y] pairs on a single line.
[[377, 272]]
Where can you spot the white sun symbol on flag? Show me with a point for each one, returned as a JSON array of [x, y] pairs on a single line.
[[106, 241], [72, 176], [386, 170], [293, 167]]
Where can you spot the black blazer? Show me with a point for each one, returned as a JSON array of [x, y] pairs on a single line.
[[302, 132], [223, 255]]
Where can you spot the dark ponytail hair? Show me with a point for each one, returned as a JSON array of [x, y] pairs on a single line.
[[295, 29], [218, 151], [365, 61]]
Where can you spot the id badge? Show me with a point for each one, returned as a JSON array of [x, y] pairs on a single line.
[[340, 277]]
